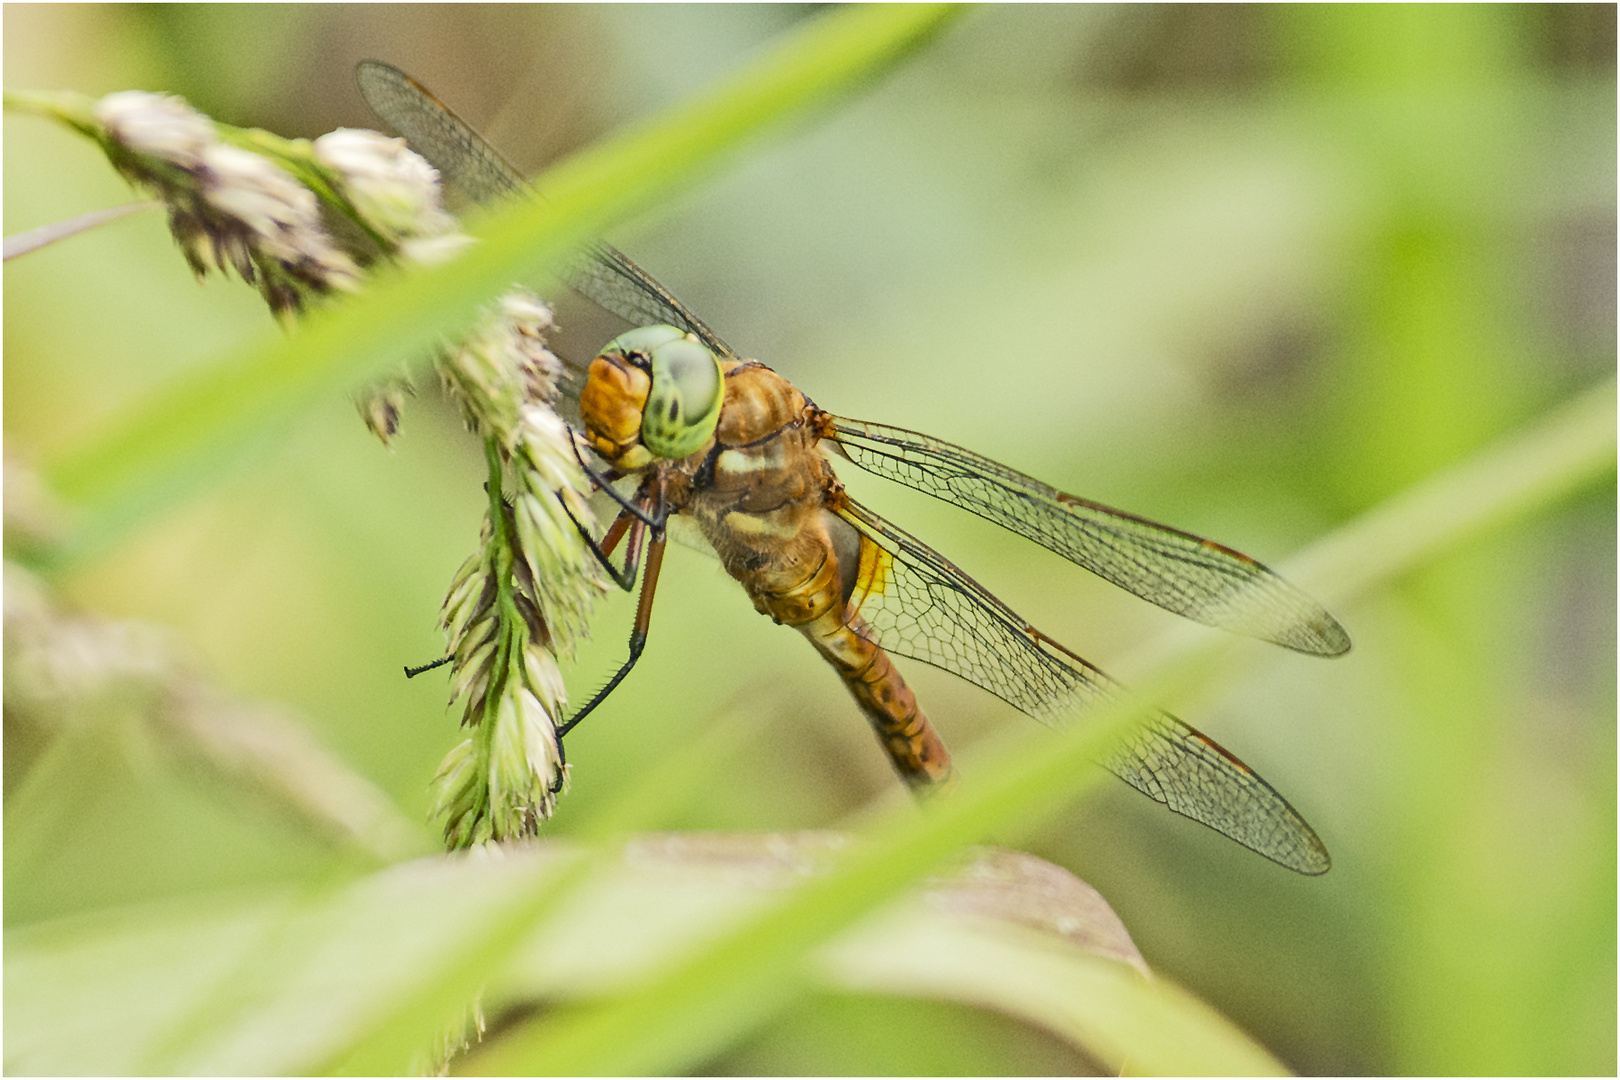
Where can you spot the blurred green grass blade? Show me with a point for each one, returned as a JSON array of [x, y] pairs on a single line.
[[1122, 1019], [1006, 931], [678, 1019], [201, 424], [1568, 448], [691, 1012]]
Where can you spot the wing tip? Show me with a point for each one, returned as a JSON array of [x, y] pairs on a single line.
[[1322, 635], [1313, 862]]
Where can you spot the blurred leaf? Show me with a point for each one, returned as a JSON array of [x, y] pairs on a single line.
[[1014, 933], [276, 985]]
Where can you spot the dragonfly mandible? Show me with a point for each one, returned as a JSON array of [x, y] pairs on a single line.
[[735, 447]]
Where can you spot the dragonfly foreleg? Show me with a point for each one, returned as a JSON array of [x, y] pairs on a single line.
[[603, 482], [562, 767]]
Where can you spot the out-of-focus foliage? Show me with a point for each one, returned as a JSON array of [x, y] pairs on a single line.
[[1247, 270]]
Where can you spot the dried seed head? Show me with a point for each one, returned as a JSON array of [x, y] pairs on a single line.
[[261, 215], [504, 365], [154, 128], [380, 406], [501, 782], [229, 208], [528, 320], [394, 189], [432, 250], [505, 376]]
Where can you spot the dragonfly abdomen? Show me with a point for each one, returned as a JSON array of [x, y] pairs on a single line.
[[793, 569], [914, 747], [819, 610]]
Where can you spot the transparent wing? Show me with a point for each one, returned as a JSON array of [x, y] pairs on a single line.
[[919, 605], [1178, 571], [606, 276], [603, 274]]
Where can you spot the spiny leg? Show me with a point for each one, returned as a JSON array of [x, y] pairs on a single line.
[[652, 514], [603, 550], [638, 633], [638, 642], [413, 672]]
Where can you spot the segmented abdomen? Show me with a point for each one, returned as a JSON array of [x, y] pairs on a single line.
[[891, 708]]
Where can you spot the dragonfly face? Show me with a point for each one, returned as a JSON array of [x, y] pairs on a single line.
[[653, 393], [734, 446]]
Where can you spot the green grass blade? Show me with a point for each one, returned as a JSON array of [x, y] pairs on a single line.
[[274, 982], [192, 429]]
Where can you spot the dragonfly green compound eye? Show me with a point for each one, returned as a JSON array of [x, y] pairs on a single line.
[[683, 404], [643, 340]]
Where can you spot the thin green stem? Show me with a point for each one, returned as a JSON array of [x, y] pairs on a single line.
[[63, 106], [500, 561]]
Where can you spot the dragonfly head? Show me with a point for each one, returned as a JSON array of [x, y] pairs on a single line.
[[652, 394]]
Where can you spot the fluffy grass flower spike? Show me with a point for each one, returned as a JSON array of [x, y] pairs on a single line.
[[248, 201], [521, 601]]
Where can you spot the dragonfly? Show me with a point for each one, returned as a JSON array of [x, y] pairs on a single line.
[[732, 446]]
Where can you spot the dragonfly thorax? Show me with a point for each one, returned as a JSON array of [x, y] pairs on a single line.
[[652, 394]]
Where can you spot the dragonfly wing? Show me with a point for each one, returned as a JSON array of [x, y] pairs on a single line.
[[1180, 572], [603, 274], [920, 605], [462, 156], [607, 277]]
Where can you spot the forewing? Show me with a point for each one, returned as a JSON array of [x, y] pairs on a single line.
[[918, 604], [607, 277], [1180, 572], [461, 155], [603, 274]]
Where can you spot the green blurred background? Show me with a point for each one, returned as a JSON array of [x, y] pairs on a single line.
[[1246, 270]]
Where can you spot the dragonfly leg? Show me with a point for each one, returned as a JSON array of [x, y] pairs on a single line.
[[654, 514], [638, 633], [604, 482], [562, 767], [413, 672], [630, 512], [626, 578]]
